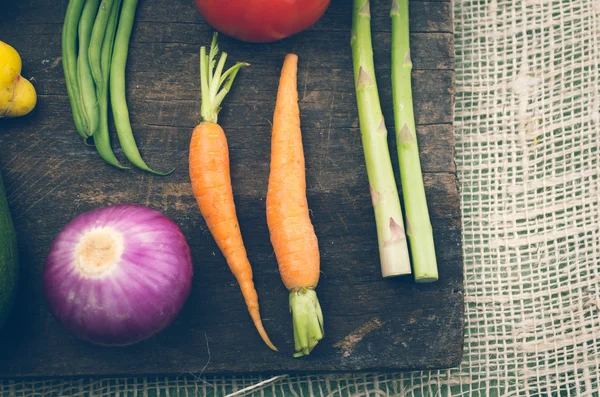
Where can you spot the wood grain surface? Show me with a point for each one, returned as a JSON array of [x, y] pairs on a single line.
[[370, 323]]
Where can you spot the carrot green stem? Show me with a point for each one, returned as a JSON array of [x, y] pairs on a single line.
[[393, 249], [308, 320], [418, 224], [214, 84]]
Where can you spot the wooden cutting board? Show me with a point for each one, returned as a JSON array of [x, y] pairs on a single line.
[[370, 323]]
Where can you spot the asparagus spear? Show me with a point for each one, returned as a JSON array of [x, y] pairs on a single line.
[[393, 249], [418, 224]]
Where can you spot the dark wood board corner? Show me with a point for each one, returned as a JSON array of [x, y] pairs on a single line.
[[371, 324]]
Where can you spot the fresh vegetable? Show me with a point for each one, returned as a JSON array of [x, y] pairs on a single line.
[[95, 43], [261, 20], [87, 90], [99, 32], [292, 233], [100, 56], [69, 61], [418, 224], [118, 275], [117, 88], [9, 261], [211, 181], [17, 95], [393, 249]]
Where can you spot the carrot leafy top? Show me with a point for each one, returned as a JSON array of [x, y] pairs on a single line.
[[214, 84]]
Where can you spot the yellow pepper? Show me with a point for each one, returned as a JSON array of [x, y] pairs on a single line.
[[17, 95]]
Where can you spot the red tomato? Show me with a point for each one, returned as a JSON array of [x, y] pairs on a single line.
[[261, 21]]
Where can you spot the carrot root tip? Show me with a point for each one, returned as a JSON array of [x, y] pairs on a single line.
[[308, 320]]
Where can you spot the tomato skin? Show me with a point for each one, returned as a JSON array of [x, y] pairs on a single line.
[[261, 21]]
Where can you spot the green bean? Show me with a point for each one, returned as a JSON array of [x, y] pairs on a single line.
[[99, 32], [117, 88], [89, 102], [108, 42], [101, 136], [69, 61]]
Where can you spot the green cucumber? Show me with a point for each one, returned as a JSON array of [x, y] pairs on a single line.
[[8, 258]]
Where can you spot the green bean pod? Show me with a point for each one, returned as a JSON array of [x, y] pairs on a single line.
[[100, 57], [69, 62], [89, 101], [117, 88], [99, 32]]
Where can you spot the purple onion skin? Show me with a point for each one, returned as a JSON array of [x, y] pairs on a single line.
[[141, 295]]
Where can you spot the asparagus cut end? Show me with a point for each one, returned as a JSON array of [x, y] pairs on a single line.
[[426, 278], [392, 266]]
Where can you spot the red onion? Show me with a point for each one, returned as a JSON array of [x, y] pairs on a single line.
[[118, 275]]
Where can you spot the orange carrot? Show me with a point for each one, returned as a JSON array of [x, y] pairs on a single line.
[[292, 233], [211, 181]]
